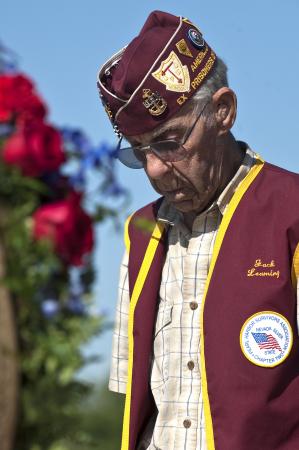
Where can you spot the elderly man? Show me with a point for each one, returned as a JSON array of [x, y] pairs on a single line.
[[206, 341]]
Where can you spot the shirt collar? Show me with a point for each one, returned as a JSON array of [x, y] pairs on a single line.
[[168, 214]]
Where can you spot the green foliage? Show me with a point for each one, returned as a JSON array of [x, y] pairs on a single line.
[[145, 225], [50, 348], [51, 300], [95, 425], [100, 423], [18, 191]]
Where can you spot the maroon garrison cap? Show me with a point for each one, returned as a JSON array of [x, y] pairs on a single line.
[[149, 80]]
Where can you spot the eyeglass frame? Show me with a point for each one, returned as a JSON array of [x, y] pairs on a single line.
[[145, 148]]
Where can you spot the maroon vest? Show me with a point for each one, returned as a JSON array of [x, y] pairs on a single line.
[[247, 406]]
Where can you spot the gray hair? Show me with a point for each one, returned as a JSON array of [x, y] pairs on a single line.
[[212, 84]]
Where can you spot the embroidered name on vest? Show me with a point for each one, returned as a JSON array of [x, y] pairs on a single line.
[[264, 269]]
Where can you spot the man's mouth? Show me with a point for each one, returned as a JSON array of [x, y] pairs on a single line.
[[177, 195]]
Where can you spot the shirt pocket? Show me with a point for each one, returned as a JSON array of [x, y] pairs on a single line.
[[161, 347]]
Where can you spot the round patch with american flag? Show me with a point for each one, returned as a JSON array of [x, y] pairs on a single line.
[[266, 338]]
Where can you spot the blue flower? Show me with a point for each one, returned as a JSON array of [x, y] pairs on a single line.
[[75, 140], [75, 305], [50, 308], [115, 190], [78, 180], [8, 60], [6, 129]]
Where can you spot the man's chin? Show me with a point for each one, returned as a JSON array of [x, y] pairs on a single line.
[[185, 201], [188, 206], [184, 205]]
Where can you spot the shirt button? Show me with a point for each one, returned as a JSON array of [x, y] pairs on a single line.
[[187, 423], [190, 365], [193, 305]]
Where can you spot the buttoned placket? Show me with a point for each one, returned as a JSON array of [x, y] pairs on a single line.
[[185, 316]]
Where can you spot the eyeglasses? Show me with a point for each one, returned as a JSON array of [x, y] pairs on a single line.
[[169, 150]]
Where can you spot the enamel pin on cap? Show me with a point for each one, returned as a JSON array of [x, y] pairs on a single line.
[[196, 38], [266, 338], [154, 103]]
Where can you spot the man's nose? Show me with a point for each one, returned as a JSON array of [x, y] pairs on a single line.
[[156, 167]]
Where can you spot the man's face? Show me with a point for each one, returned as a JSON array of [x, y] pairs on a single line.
[[191, 184]]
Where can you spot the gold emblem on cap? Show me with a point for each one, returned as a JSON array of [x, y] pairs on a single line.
[[154, 103], [183, 48], [173, 74], [108, 111]]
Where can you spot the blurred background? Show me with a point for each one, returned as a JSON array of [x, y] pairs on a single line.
[[60, 46]]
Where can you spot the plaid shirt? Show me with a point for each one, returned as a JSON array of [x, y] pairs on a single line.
[[175, 376]]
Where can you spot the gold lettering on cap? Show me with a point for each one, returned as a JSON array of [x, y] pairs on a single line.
[[182, 99], [197, 61], [203, 73]]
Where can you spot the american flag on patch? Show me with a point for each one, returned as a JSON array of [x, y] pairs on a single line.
[[266, 341]]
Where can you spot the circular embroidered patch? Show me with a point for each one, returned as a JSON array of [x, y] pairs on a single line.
[[266, 338]]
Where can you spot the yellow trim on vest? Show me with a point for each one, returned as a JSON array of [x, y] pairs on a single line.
[[142, 275], [126, 234], [242, 188], [295, 267]]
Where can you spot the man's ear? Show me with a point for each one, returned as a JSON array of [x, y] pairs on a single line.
[[225, 109]]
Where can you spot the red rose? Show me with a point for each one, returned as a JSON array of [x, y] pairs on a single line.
[[69, 228], [18, 101], [35, 150]]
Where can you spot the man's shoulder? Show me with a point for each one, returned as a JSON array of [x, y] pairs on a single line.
[[150, 210], [141, 224], [280, 171], [280, 188], [281, 177]]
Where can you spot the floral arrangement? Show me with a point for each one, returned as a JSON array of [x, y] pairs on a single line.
[[55, 185]]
